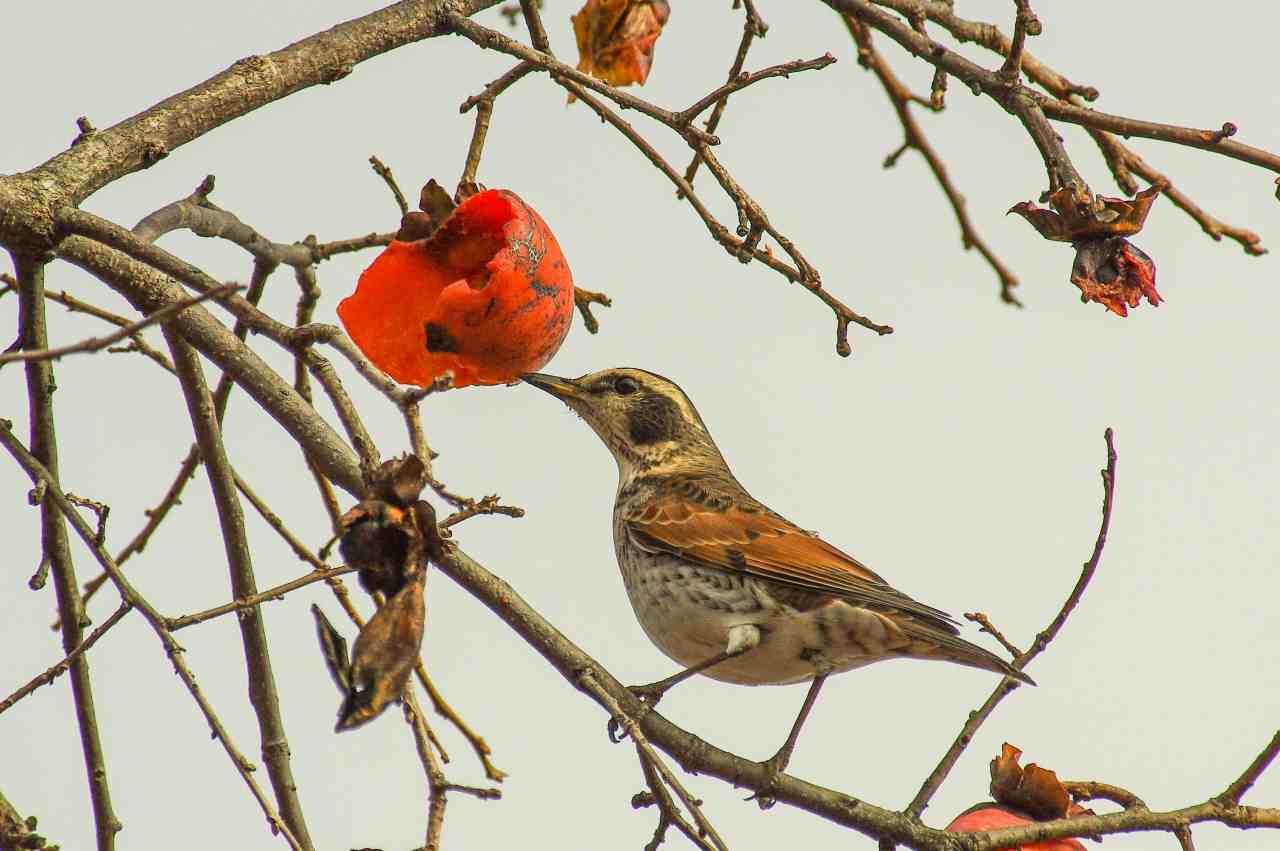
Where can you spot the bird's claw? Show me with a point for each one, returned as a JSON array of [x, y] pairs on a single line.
[[773, 767], [648, 695], [616, 731]]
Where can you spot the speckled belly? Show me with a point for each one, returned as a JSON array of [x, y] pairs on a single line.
[[688, 610]]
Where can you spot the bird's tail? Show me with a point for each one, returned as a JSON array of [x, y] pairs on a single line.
[[929, 643]]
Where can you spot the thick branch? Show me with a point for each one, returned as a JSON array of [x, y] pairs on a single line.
[[26, 200], [149, 290]]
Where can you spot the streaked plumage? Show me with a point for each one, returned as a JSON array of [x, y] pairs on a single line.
[[711, 571]]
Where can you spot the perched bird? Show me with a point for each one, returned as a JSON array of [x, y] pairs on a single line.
[[722, 584]]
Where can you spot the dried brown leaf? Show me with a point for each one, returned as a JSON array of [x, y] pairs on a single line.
[[616, 38], [1034, 790]]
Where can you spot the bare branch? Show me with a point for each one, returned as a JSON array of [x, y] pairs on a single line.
[[1090, 790], [252, 602], [55, 549], [262, 685], [37, 472], [388, 178], [650, 759], [742, 80], [95, 344], [494, 40], [753, 27], [583, 299], [1233, 793], [900, 97], [1119, 157], [59, 669], [989, 628], [1007, 685]]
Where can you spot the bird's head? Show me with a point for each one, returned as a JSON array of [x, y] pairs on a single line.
[[646, 420]]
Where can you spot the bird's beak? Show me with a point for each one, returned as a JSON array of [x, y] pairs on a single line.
[[562, 388]]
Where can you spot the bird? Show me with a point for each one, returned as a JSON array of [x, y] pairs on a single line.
[[722, 584]]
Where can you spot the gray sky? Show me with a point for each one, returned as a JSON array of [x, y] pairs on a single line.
[[957, 457]]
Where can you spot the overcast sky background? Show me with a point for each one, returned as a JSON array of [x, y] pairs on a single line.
[[958, 457]]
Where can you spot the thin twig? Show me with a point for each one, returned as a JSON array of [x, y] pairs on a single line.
[[533, 20], [1233, 793], [37, 472], [753, 27], [1092, 790], [493, 40], [914, 138], [498, 86], [438, 786], [75, 305], [741, 81], [94, 344], [61, 668], [484, 112], [1025, 23], [252, 602], [1120, 158], [444, 710], [583, 299], [100, 510], [587, 681], [807, 278], [388, 178], [985, 625], [1008, 684]]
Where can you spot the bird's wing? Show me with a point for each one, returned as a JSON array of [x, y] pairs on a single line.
[[757, 542]]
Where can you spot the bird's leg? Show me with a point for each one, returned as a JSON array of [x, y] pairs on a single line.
[[650, 694], [776, 764], [742, 638]]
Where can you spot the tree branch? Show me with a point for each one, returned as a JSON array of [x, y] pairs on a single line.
[[1007, 685], [257, 654], [59, 669], [901, 99], [97, 344], [38, 473], [34, 335], [250, 83]]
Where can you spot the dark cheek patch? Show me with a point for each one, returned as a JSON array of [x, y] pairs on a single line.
[[652, 419]]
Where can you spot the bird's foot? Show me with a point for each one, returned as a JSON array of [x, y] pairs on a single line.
[[773, 768], [649, 695]]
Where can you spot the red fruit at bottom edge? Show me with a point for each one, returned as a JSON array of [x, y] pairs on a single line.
[[992, 816], [487, 298]]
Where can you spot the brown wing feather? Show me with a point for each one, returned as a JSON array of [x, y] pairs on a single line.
[[761, 543]]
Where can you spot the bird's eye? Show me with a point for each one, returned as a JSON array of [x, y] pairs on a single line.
[[625, 385]]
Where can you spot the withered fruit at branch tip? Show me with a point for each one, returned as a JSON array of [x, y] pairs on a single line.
[[1115, 273], [390, 536], [1108, 269], [391, 532]]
